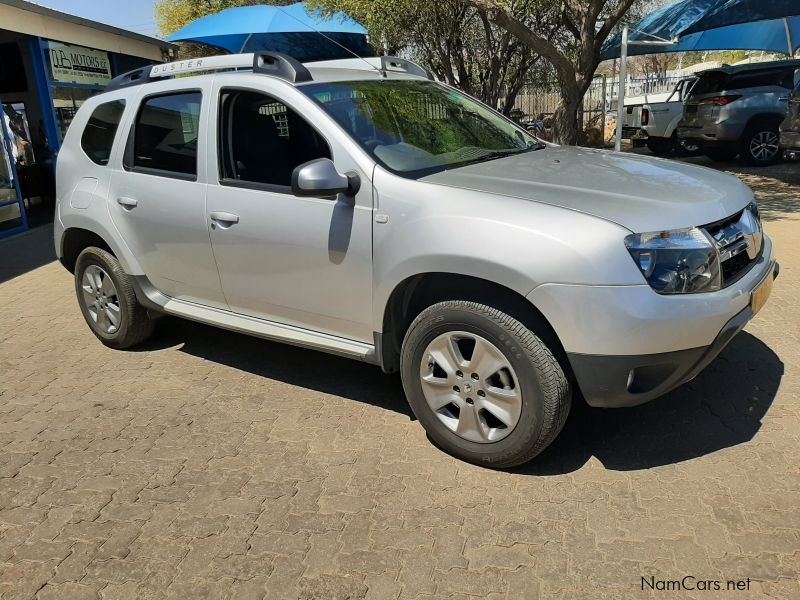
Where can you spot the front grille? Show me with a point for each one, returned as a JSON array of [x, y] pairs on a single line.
[[735, 267], [739, 240]]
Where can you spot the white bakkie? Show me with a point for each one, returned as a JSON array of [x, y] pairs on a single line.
[[360, 208]]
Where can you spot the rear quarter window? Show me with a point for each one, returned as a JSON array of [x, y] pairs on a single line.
[[754, 79], [100, 131]]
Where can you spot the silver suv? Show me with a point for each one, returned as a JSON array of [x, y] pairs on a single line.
[[358, 207], [737, 110]]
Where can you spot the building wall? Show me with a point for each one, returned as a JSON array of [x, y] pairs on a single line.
[[32, 23]]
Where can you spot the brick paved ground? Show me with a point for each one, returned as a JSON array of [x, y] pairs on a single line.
[[214, 465]]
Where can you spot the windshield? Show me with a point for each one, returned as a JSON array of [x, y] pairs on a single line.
[[415, 128]]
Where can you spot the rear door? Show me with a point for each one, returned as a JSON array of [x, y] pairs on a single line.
[[157, 200]]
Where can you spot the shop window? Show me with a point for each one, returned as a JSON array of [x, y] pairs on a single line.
[[266, 140], [166, 133], [98, 135]]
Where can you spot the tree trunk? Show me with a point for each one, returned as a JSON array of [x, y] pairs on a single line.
[[565, 118]]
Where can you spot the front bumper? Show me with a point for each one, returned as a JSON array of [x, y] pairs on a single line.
[[620, 381], [790, 140], [628, 344]]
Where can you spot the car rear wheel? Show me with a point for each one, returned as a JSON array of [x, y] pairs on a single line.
[[661, 146], [485, 388], [761, 145], [721, 154], [108, 301]]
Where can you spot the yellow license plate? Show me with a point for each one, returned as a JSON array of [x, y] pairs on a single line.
[[759, 296]]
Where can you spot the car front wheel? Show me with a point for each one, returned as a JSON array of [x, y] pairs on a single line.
[[485, 388]]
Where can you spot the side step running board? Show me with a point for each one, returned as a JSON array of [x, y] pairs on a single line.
[[153, 299]]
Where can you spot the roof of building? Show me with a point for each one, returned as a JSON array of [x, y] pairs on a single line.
[[46, 11]]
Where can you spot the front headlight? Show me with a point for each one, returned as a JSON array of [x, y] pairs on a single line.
[[682, 261]]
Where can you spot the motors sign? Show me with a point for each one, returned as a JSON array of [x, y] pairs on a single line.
[[74, 64]]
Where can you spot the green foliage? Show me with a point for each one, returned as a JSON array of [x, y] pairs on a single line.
[[171, 15], [451, 38]]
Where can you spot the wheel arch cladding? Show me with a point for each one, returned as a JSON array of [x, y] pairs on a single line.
[[416, 293]]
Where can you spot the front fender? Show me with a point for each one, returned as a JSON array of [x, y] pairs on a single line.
[[516, 243]]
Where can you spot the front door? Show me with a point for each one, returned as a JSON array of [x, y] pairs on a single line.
[[12, 210], [158, 199], [305, 262]]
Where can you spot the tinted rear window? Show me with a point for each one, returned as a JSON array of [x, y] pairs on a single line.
[[708, 83], [98, 136]]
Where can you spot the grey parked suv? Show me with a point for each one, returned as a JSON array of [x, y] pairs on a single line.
[[358, 207], [737, 110]]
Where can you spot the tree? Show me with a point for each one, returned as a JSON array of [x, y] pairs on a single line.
[[451, 38], [171, 15], [572, 48]]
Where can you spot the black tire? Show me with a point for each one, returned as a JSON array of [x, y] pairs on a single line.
[[686, 148], [544, 388], [721, 154], [752, 150], [661, 146], [135, 326]]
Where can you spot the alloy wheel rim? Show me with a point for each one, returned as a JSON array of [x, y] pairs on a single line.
[[764, 145], [100, 299], [471, 387]]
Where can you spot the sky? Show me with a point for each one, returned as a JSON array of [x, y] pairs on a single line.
[[133, 15]]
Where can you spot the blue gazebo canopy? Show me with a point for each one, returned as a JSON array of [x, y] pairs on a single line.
[[306, 35], [771, 25]]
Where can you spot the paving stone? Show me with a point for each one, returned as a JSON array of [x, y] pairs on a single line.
[[222, 466]]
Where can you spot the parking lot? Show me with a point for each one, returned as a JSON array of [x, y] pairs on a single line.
[[210, 464]]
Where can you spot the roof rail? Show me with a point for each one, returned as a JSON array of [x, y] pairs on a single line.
[[275, 64], [396, 64]]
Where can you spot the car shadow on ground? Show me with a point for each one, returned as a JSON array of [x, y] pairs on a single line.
[[309, 369], [722, 407]]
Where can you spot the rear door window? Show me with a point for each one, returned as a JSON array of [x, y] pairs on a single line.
[[100, 131], [165, 135]]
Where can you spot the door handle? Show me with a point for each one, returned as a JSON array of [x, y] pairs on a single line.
[[127, 203], [783, 99], [223, 218]]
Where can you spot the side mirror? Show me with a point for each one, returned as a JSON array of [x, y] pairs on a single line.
[[319, 178], [796, 80]]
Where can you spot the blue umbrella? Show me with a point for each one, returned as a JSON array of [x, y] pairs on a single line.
[[771, 25], [305, 35]]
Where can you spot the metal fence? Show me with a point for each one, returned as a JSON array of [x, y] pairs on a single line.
[[541, 101]]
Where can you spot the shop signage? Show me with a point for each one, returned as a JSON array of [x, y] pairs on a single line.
[[75, 64]]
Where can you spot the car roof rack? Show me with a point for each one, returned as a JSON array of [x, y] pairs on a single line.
[[275, 64]]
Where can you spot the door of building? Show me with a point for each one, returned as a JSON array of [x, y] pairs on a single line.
[[12, 211]]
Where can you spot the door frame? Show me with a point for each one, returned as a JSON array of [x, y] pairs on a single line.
[[5, 139]]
